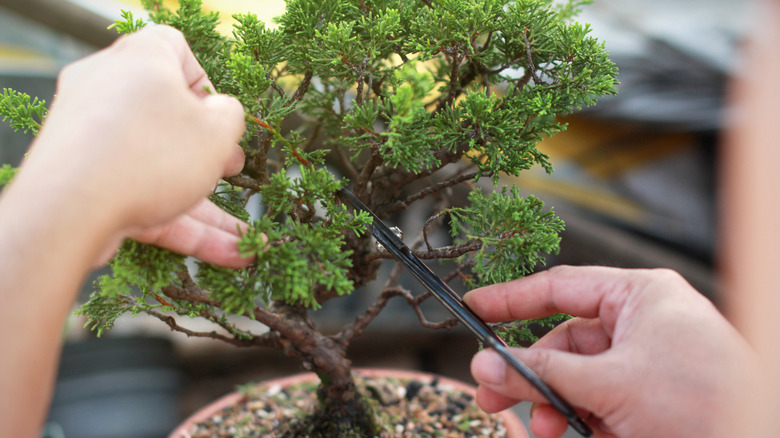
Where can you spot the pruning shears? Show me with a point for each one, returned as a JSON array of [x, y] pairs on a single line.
[[452, 301]]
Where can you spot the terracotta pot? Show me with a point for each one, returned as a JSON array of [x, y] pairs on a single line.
[[514, 426]]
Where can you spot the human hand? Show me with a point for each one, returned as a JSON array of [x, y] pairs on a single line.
[[645, 356], [205, 232], [136, 141]]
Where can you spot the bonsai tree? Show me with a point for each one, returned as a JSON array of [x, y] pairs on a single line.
[[406, 101]]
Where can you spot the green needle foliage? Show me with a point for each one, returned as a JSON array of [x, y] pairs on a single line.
[[24, 114], [7, 173], [405, 101], [21, 111], [510, 232]]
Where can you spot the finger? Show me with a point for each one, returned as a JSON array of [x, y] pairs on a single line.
[[492, 402], [578, 291], [194, 75], [546, 422], [235, 162], [210, 214], [109, 252], [189, 236], [578, 335], [575, 377], [224, 118]]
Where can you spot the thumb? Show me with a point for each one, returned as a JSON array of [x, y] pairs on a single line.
[[225, 116], [578, 379]]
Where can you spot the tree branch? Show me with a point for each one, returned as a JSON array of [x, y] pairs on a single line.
[[530, 59], [401, 205], [454, 86], [185, 294], [260, 159], [445, 252], [286, 327], [427, 224], [361, 71], [361, 322], [244, 182], [390, 180], [174, 325], [274, 85]]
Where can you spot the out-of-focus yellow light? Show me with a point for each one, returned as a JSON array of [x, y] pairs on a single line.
[[266, 10], [14, 59]]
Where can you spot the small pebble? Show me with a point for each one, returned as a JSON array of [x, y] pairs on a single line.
[[273, 390], [412, 389]]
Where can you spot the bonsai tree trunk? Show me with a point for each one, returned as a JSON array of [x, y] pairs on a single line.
[[342, 411]]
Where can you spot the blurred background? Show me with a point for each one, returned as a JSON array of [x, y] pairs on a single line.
[[635, 182]]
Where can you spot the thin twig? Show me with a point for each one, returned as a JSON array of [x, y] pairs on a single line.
[[374, 161], [279, 90], [402, 55], [312, 138], [427, 224], [454, 85], [301, 91], [531, 65], [456, 273], [346, 164], [394, 276]]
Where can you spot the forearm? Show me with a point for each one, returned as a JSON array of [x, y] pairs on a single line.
[[48, 246], [751, 249]]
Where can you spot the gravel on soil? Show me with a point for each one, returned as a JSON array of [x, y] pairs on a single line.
[[405, 407]]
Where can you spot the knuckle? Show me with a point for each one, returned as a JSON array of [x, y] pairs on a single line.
[[168, 32], [667, 275], [74, 73], [540, 361], [664, 282], [165, 34], [560, 269], [67, 72]]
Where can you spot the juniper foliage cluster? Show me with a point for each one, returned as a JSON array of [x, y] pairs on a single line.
[[23, 112], [407, 101]]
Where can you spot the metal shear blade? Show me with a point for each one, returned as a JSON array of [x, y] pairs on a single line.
[[452, 301]]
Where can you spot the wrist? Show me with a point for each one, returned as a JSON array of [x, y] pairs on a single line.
[[47, 211]]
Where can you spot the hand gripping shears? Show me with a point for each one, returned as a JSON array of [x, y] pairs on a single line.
[[395, 246]]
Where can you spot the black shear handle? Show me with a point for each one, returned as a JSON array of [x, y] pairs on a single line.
[[463, 313]]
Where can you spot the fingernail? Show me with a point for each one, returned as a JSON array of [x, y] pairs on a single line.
[[488, 368]]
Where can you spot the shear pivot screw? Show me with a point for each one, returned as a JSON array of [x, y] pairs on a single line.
[[397, 231]]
